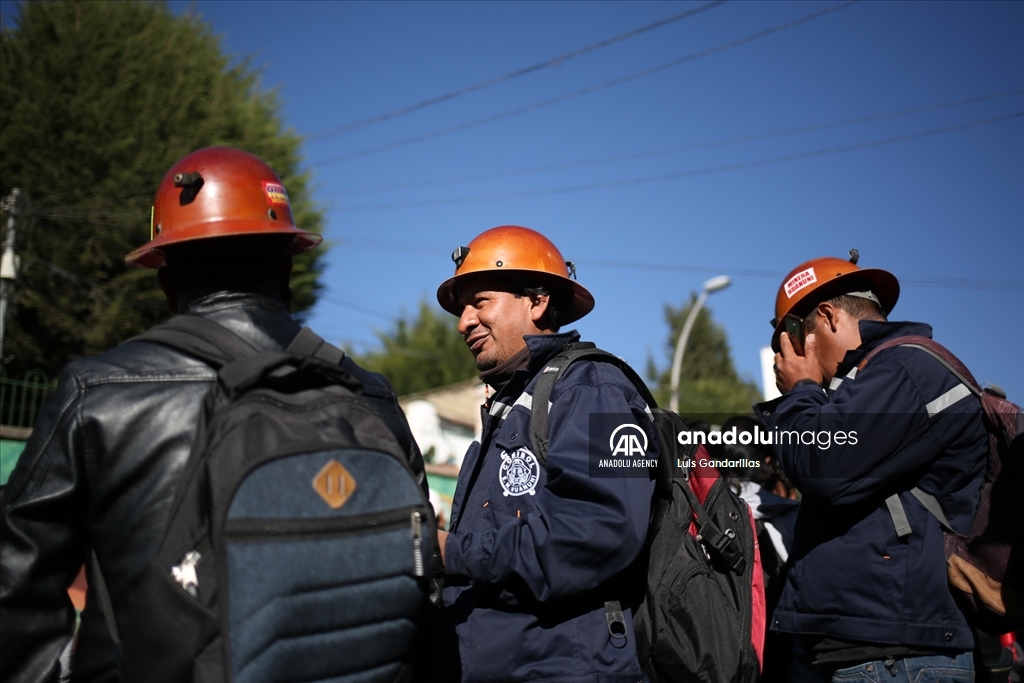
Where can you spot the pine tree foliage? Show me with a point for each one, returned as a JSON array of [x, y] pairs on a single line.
[[97, 102], [708, 381], [422, 353]]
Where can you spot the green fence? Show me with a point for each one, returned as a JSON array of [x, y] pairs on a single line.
[[20, 399]]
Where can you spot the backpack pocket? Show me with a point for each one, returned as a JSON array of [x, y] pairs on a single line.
[[323, 574]]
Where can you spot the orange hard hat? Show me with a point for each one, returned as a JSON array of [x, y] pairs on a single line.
[[822, 279], [514, 250], [219, 192]]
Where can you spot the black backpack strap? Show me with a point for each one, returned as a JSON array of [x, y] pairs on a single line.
[[205, 339], [308, 343], [549, 375]]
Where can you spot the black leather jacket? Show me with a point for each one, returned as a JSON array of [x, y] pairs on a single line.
[[99, 473]]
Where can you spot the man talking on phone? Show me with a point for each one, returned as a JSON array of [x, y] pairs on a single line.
[[867, 593]]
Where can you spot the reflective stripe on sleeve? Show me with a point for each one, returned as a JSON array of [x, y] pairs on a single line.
[[947, 399]]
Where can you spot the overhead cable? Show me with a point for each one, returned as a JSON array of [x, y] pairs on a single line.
[[709, 170], [753, 137], [439, 251], [553, 62], [584, 91]]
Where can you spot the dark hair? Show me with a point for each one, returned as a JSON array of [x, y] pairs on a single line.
[[557, 296], [857, 306], [242, 262]]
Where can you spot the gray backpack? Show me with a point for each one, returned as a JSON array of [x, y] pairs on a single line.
[[299, 541]]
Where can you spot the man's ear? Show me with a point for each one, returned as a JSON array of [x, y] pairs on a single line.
[[830, 314], [538, 307], [163, 278]]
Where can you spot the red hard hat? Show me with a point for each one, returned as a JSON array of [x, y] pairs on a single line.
[[511, 250], [822, 279], [219, 192]]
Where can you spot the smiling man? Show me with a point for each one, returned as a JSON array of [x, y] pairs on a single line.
[[537, 552]]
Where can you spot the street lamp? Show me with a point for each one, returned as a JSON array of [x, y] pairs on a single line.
[[712, 285]]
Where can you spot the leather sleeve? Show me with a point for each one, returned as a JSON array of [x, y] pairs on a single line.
[[43, 541]]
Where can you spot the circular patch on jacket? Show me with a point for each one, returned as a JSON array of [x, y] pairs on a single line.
[[519, 472]]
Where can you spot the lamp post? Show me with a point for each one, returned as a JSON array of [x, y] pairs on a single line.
[[713, 285]]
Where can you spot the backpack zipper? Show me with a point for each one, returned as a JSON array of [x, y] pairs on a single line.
[[184, 573], [417, 542], [312, 527], [303, 408], [270, 528]]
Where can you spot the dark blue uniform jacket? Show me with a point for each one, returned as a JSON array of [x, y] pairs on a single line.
[[537, 551], [904, 421]]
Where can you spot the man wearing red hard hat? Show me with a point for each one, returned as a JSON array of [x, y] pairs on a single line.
[[880, 438], [96, 481]]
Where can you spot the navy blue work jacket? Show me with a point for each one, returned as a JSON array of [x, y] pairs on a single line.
[[904, 421], [537, 551]]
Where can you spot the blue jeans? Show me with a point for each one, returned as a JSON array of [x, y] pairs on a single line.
[[929, 669]]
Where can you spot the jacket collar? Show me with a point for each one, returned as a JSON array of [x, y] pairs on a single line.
[[543, 347], [873, 333], [206, 301]]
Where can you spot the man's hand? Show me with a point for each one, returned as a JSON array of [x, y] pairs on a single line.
[[442, 538], [791, 368]]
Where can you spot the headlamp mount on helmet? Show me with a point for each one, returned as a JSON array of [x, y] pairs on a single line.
[[219, 192], [822, 279], [520, 253]]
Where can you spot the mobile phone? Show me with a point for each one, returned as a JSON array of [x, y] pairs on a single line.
[[795, 330]]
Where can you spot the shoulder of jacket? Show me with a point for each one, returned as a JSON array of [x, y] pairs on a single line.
[[597, 375], [929, 377], [373, 383], [139, 361], [917, 363]]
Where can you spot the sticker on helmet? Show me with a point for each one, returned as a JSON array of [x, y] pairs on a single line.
[[276, 194], [799, 281]]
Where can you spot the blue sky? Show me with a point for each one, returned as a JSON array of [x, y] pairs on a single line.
[[657, 183]]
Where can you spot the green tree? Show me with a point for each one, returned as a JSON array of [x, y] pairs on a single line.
[[708, 381], [423, 353], [97, 101]]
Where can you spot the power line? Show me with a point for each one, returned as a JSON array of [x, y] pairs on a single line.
[[436, 250], [584, 91], [753, 137], [553, 62], [678, 174], [356, 307], [954, 283], [431, 250]]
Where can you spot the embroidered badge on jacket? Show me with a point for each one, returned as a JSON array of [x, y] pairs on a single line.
[[519, 472]]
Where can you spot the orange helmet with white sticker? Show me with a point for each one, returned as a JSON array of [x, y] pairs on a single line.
[[219, 192], [822, 279]]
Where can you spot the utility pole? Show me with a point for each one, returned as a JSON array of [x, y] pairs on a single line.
[[713, 285], [8, 264]]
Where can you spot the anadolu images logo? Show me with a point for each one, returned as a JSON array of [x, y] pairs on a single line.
[[628, 439]]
